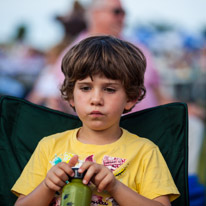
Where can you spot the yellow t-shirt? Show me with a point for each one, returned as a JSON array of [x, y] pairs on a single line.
[[135, 161]]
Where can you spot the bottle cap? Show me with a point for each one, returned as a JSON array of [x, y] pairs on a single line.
[[78, 175]]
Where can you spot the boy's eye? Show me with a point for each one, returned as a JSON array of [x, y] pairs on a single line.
[[110, 90], [85, 88]]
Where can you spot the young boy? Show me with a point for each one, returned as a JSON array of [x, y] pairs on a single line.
[[104, 77]]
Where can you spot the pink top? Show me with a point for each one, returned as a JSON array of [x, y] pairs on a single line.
[[57, 66], [152, 80]]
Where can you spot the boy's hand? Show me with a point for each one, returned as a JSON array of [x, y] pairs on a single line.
[[58, 175], [100, 175]]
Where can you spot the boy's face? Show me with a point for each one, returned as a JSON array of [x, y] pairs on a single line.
[[100, 102]]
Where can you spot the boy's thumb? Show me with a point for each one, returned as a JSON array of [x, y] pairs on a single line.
[[73, 161]]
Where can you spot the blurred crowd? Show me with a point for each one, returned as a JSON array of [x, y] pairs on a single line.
[[180, 57], [176, 65]]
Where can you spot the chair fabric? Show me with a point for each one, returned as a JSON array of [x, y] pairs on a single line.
[[23, 124]]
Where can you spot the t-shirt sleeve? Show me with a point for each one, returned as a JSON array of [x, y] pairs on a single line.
[[34, 172], [156, 179]]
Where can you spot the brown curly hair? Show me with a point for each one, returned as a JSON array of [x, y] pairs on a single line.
[[106, 55]]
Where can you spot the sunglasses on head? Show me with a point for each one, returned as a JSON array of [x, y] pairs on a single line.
[[118, 11]]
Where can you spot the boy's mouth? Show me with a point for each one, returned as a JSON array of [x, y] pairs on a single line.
[[96, 113]]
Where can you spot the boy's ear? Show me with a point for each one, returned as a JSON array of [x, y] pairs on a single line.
[[71, 102], [130, 104]]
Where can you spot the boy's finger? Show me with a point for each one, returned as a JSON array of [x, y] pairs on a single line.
[[73, 161], [66, 168], [104, 183], [91, 168], [85, 166]]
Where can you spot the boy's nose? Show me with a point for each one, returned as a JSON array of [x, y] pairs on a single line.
[[96, 98]]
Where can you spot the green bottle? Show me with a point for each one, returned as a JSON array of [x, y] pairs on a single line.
[[76, 193]]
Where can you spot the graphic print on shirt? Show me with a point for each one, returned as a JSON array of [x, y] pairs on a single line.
[[112, 163], [66, 158], [98, 200]]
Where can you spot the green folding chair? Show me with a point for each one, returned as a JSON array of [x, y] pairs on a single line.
[[23, 124]]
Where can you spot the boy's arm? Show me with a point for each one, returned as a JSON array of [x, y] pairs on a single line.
[[126, 196], [104, 179], [43, 194]]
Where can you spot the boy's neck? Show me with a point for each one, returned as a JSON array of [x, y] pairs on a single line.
[[102, 137]]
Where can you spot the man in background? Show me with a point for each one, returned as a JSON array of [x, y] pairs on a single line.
[[103, 17]]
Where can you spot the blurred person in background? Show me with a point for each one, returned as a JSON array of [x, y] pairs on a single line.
[[103, 17], [44, 90], [20, 64]]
